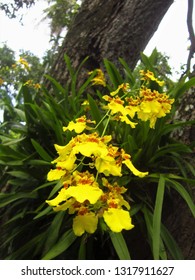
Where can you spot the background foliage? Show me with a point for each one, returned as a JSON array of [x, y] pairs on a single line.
[[11, 8]]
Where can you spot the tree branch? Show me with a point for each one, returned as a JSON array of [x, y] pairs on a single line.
[[191, 37], [191, 33]]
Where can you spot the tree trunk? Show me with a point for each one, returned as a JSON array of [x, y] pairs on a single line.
[[181, 222], [112, 29], [109, 29]]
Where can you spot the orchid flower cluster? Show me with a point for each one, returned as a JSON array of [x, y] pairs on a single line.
[[89, 165], [148, 105]]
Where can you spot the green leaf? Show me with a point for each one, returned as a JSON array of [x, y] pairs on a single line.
[[6, 141], [69, 65], [82, 248], [62, 245], [44, 155], [43, 213], [113, 73], [120, 245], [19, 128], [135, 208], [128, 72], [28, 249], [148, 217], [184, 194], [20, 114], [58, 88], [191, 168], [171, 244], [12, 163], [11, 153], [85, 84], [58, 185], [15, 217], [20, 174], [182, 87], [157, 217], [53, 231], [146, 61], [43, 186], [148, 222], [132, 143], [6, 199], [170, 149], [74, 77], [167, 128], [39, 162], [154, 56], [96, 114]]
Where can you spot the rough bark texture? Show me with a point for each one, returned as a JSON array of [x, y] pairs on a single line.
[[186, 112], [180, 221], [110, 29], [181, 224]]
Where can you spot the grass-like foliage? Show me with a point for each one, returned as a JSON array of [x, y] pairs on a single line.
[[88, 172]]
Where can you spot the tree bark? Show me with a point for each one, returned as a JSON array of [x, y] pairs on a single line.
[[181, 222], [109, 29]]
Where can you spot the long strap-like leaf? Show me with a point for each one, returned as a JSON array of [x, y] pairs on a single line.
[[62, 245], [156, 240], [120, 245]]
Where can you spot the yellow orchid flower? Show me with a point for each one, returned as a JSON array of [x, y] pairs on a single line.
[[64, 206], [127, 121], [63, 151], [114, 195], [68, 162], [55, 174], [79, 126], [91, 144], [149, 75], [108, 163], [116, 106], [91, 148], [117, 219], [62, 196], [85, 188], [108, 166], [85, 223], [134, 170], [85, 192], [127, 161], [153, 105], [124, 86], [99, 79]]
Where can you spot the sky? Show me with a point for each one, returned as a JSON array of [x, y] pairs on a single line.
[[33, 35], [172, 35], [171, 38]]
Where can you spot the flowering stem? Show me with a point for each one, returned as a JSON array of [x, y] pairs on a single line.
[[81, 162], [102, 120], [96, 177], [106, 124]]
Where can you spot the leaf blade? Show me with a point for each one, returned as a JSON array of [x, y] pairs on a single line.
[[62, 245], [157, 218], [43, 154], [120, 245]]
